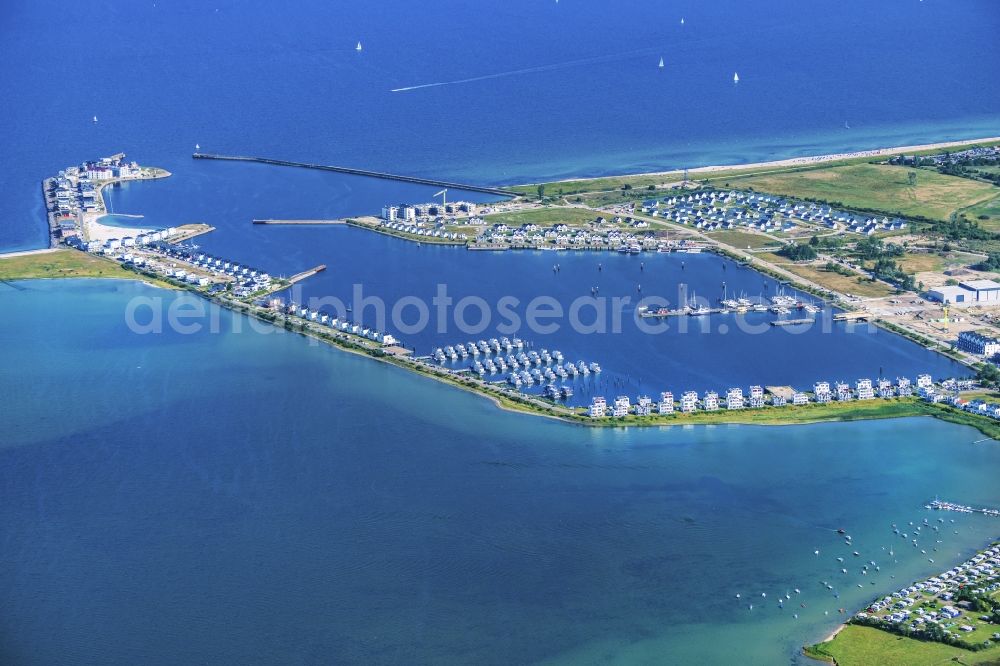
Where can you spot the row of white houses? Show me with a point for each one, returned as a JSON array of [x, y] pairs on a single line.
[[735, 398]]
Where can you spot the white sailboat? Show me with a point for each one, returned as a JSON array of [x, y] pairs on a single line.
[[358, 47], [661, 62], [197, 146], [95, 119], [736, 77], [682, 20]]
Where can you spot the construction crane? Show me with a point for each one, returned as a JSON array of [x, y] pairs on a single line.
[[444, 196]]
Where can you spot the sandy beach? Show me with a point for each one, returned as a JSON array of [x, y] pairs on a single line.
[[833, 634], [95, 231], [806, 161], [92, 227]]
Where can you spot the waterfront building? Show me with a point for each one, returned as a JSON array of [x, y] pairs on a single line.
[[903, 386], [822, 391], [407, 213], [884, 388], [598, 407], [843, 391], [710, 403], [622, 406], [924, 381], [389, 213], [644, 407], [778, 400], [864, 389], [666, 404], [689, 401], [974, 342], [734, 398], [800, 398]]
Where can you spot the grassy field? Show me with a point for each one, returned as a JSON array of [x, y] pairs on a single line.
[[64, 264], [990, 209], [743, 239], [545, 217], [844, 284], [876, 186], [936, 262], [867, 646]]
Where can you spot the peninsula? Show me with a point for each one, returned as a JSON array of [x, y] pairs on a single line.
[[782, 235]]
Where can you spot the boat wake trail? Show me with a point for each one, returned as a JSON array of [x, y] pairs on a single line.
[[541, 68]]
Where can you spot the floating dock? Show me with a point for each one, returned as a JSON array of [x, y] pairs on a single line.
[[791, 322], [941, 505], [361, 172]]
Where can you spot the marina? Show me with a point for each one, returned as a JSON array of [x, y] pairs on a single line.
[[941, 505], [292, 483]]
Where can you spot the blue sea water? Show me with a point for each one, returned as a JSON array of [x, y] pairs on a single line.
[[240, 497], [243, 497], [582, 94]]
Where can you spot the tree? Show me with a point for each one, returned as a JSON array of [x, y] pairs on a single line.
[[814, 241], [912, 178], [988, 374], [541, 191], [991, 263], [797, 252], [627, 186]]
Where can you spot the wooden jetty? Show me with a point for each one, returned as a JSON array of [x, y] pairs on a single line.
[[852, 316], [362, 172]]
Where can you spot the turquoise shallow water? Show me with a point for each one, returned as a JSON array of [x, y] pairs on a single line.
[[240, 497]]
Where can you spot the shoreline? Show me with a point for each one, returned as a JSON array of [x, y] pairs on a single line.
[[93, 230], [867, 410], [782, 163]]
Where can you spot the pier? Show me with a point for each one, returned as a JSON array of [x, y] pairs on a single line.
[[941, 505], [258, 221], [851, 316], [281, 285], [361, 172], [189, 231]]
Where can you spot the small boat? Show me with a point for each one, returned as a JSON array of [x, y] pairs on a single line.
[[736, 76], [358, 47], [661, 63], [197, 146]]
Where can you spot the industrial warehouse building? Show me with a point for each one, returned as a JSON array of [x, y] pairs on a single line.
[[971, 292]]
